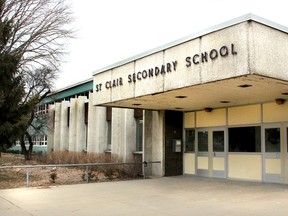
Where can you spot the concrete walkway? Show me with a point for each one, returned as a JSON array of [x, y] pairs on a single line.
[[179, 196]]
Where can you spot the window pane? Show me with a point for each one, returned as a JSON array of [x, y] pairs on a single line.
[[245, 139], [203, 141], [272, 140], [109, 135], [218, 141], [139, 134], [190, 140]]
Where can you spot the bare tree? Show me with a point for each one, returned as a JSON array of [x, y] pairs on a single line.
[[36, 32], [39, 31]]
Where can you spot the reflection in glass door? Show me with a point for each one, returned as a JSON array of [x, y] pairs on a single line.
[[219, 164], [272, 154], [202, 153]]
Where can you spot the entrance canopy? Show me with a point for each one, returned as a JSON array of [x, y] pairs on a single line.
[[243, 61]]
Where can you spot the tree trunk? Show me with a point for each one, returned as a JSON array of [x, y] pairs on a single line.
[[30, 144], [25, 152]]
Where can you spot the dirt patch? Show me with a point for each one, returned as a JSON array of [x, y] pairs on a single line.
[[51, 176]]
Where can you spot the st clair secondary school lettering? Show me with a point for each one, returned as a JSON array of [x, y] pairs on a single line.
[[196, 59]]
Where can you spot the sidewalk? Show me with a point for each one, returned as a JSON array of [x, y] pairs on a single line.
[[179, 196]]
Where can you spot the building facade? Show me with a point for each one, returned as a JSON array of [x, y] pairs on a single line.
[[212, 104]]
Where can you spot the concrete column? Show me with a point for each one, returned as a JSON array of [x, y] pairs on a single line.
[[123, 133], [57, 127], [118, 125], [64, 136], [97, 125], [72, 125], [154, 141], [100, 130], [91, 138], [147, 144], [50, 130], [80, 125], [130, 134]]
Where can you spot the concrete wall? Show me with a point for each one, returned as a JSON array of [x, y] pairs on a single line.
[[268, 56]]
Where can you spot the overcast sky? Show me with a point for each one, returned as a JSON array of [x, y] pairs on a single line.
[[113, 30]]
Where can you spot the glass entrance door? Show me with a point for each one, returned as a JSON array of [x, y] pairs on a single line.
[[203, 153], [272, 169], [219, 153]]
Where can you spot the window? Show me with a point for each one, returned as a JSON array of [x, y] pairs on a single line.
[[272, 140], [86, 113], [189, 140], [39, 140], [203, 141], [138, 115], [245, 139], [109, 136], [68, 117], [53, 117], [45, 139], [109, 127], [139, 134], [218, 141], [41, 109]]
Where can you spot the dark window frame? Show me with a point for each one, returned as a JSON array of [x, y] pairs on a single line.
[[245, 139], [190, 144], [109, 127], [138, 115]]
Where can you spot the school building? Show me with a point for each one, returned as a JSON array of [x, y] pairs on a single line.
[[211, 104]]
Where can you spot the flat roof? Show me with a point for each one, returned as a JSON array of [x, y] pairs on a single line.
[[71, 86], [244, 18], [74, 89]]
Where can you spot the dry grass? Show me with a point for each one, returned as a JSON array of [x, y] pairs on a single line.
[[75, 158], [14, 178]]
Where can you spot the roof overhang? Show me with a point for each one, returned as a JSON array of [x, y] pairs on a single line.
[[236, 91], [243, 61]]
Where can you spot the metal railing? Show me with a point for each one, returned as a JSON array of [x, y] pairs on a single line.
[[27, 167]]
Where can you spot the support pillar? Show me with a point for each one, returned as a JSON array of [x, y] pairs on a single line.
[[81, 129], [50, 131], [154, 141], [57, 127], [100, 130], [124, 133], [64, 136], [72, 125]]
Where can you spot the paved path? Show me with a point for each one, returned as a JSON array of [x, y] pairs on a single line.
[[161, 196]]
